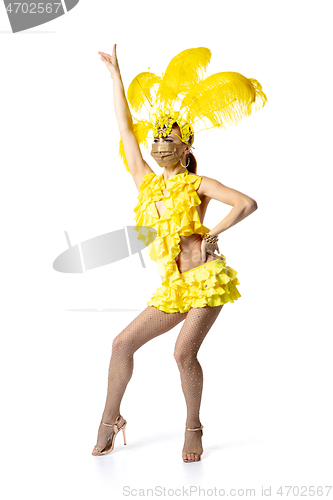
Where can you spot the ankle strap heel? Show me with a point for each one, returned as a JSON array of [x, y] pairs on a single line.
[[109, 447], [188, 453], [196, 429], [116, 429]]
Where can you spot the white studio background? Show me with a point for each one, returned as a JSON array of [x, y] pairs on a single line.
[[266, 404]]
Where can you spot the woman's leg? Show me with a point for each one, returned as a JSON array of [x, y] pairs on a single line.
[[196, 326], [150, 323]]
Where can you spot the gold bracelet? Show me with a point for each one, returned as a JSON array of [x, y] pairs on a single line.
[[210, 239]]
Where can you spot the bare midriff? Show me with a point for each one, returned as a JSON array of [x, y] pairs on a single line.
[[190, 256]]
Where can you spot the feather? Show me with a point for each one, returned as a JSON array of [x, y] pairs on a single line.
[[261, 98], [140, 88], [122, 154], [140, 131], [183, 71], [224, 98]]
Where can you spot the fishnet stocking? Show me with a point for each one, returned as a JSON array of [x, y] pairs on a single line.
[[196, 326], [150, 323]]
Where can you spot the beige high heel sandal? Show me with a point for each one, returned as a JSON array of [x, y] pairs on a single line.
[[109, 447], [189, 452]]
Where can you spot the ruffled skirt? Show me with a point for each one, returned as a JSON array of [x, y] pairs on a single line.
[[208, 285]]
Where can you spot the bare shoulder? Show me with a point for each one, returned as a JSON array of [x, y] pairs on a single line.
[[139, 175], [202, 187]]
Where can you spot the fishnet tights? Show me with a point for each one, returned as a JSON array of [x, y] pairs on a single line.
[[195, 328], [150, 323]]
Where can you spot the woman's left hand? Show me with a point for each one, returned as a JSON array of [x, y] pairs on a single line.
[[209, 248]]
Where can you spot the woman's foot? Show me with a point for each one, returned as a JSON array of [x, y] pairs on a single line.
[[192, 449], [105, 435]]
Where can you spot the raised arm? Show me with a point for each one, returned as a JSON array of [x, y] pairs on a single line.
[[137, 165]]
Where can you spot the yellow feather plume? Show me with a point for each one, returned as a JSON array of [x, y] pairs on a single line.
[[224, 98], [183, 71], [181, 93], [140, 88]]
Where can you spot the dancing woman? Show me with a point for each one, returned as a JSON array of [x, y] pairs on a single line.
[[196, 282]]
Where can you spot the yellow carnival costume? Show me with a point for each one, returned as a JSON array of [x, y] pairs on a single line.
[[210, 284], [181, 96]]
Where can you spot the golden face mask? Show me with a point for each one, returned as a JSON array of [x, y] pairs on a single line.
[[165, 153]]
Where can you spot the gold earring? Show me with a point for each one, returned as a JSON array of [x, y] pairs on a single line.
[[187, 163]]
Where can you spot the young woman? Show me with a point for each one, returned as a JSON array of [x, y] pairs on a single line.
[[196, 282]]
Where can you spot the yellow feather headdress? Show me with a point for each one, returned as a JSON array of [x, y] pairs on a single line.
[[182, 95]]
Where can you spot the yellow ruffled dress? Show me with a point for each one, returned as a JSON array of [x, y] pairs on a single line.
[[208, 285]]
